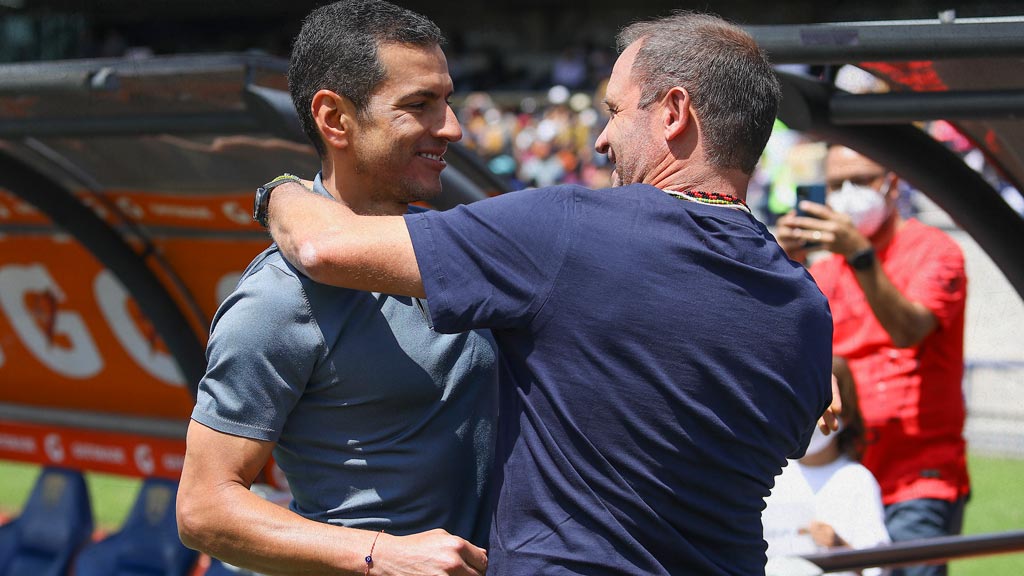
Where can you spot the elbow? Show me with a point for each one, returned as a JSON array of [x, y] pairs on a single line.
[[901, 340], [310, 258], [194, 525], [913, 328], [906, 338], [300, 247]]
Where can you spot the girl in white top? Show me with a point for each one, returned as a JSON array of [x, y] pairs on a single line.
[[827, 499]]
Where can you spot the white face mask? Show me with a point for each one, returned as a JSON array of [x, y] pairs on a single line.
[[820, 442], [864, 205]]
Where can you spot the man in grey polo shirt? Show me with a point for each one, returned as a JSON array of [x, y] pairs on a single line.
[[383, 427]]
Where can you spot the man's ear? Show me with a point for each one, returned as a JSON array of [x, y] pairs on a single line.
[[334, 115], [676, 112]]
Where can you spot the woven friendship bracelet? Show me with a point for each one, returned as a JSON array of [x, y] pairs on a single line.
[[369, 557]]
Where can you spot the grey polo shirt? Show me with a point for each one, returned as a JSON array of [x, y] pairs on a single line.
[[379, 422]]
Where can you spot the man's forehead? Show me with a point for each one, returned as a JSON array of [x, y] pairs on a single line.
[[414, 69], [396, 56], [844, 161], [620, 81]]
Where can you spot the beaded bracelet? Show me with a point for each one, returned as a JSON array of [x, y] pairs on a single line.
[[369, 557]]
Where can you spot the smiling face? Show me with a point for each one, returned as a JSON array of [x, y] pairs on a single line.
[[628, 139], [399, 140]]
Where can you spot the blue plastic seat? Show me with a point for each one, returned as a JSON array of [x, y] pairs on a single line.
[[54, 524], [147, 544]]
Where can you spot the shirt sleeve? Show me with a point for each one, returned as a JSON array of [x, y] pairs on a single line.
[[940, 283], [262, 351], [492, 264]]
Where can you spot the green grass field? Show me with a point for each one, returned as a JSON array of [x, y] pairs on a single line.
[[111, 496], [997, 505]]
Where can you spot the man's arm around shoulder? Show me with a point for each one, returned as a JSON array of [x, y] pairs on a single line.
[[333, 245], [219, 515]]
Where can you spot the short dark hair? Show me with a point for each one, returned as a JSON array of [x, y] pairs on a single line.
[[338, 49], [733, 88]]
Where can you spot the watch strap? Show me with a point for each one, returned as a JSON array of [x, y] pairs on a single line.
[[862, 259], [261, 203]]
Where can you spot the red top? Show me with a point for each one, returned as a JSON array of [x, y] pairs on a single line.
[[911, 398]]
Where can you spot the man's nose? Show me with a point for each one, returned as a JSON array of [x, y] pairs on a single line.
[[451, 130], [601, 144]]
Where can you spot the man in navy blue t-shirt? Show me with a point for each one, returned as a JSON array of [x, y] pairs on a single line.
[[661, 356]]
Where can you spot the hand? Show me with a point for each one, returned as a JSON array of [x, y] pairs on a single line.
[[832, 230], [433, 553], [823, 535], [829, 421], [790, 237]]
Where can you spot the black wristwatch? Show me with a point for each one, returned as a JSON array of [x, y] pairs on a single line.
[[862, 259], [262, 200]]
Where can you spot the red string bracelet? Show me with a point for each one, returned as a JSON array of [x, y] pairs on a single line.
[[369, 557]]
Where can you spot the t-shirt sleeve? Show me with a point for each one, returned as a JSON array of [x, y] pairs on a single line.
[[940, 283], [262, 350], [492, 264]]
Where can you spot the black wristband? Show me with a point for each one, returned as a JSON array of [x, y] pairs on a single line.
[[862, 259], [261, 202]]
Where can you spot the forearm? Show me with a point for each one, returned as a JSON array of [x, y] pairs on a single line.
[[237, 526], [298, 220], [218, 514], [333, 245], [907, 322]]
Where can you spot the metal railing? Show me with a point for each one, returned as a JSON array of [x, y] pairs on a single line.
[[925, 551]]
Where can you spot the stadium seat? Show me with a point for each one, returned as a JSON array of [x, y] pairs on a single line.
[[54, 524], [147, 544]]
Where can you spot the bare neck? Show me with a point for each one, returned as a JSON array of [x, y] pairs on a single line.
[[358, 194], [731, 182]]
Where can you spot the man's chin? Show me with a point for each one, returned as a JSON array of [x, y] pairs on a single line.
[[616, 180], [422, 193]]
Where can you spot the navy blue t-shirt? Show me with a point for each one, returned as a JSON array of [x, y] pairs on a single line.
[[660, 359]]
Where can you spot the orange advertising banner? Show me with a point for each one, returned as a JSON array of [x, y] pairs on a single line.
[[76, 348], [114, 453], [71, 337]]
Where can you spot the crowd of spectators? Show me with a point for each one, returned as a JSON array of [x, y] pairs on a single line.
[[534, 125], [537, 138]]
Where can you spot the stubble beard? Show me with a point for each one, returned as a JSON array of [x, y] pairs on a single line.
[[388, 186], [629, 166]]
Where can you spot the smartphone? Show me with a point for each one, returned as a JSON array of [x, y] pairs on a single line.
[[812, 192]]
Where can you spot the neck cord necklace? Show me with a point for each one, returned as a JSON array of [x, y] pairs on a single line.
[[712, 198]]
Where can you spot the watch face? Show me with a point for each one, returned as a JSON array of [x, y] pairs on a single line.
[[863, 259], [262, 200], [259, 208]]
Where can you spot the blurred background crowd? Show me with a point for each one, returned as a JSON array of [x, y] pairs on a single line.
[[528, 75]]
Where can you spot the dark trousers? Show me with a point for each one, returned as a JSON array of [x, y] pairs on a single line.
[[924, 518]]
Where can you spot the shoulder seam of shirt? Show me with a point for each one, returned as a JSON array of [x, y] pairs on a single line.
[[322, 346]]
